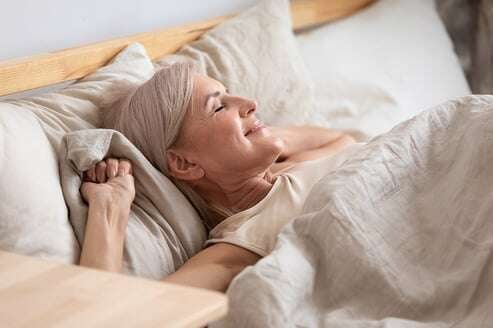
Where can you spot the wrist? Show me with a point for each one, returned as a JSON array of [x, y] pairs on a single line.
[[111, 213], [104, 236]]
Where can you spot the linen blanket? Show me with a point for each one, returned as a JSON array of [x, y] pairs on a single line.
[[163, 229], [401, 235]]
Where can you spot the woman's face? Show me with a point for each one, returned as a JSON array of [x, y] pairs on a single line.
[[222, 134]]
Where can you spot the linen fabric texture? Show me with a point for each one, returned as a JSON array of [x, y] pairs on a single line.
[[400, 235], [34, 214], [163, 231], [257, 227]]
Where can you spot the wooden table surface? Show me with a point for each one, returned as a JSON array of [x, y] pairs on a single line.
[[40, 293]]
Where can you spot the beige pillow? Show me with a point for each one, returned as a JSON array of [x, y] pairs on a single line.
[[76, 106], [255, 55], [33, 214], [163, 229]]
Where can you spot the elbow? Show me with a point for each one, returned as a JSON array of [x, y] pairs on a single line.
[[234, 269], [345, 140], [237, 264]]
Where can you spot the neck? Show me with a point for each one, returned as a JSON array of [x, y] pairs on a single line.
[[235, 196]]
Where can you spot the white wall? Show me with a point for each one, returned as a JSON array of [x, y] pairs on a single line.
[[29, 27]]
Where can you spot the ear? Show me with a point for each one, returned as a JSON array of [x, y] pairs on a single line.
[[182, 168]]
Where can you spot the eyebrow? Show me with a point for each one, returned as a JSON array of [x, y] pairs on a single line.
[[210, 95]]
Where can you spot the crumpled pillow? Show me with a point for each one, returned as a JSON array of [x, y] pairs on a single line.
[[33, 213], [164, 230]]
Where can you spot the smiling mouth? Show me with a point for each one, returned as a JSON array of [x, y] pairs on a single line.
[[257, 127]]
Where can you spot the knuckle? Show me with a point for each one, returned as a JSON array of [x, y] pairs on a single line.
[[126, 165], [125, 162], [112, 164], [101, 164]]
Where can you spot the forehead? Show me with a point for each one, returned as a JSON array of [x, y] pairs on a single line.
[[204, 85], [196, 115], [203, 88]]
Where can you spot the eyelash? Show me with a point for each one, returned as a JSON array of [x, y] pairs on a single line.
[[219, 108]]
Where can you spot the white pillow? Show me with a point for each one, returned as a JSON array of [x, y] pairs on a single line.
[[381, 66], [33, 214], [255, 55]]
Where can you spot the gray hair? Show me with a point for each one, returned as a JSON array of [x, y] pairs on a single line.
[[151, 115]]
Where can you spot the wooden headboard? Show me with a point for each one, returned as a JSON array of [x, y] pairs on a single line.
[[45, 69]]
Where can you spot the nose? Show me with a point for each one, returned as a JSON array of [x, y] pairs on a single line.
[[249, 107]]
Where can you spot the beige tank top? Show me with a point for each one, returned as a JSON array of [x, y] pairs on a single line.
[[257, 228]]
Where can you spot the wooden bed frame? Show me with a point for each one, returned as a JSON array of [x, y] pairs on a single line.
[[28, 73]]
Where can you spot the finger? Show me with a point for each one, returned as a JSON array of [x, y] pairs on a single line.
[[124, 167], [86, 177], [101, 172], [111, 167], [91, 174], [84, 190]]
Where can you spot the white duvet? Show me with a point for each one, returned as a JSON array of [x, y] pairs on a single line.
[[400, 236]]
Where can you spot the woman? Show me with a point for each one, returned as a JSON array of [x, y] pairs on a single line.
[[246, 180]]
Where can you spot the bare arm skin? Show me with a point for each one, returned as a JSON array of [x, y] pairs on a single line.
[[104, 236], [109, 197], [214, 267], [304, 143], [109, 190]]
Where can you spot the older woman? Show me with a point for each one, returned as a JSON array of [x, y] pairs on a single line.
[[246, 179]]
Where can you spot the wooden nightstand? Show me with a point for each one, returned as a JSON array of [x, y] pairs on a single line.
[[39, 293]]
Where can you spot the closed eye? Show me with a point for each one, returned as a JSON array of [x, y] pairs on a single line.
[[218, 109]]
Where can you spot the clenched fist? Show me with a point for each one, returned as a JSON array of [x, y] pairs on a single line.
[[109, 180]]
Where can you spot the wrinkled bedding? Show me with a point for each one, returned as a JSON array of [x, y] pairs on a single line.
[[163, 231], [401, 235]]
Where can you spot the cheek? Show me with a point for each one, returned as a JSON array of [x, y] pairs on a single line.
[[227, 131], [219, 138]]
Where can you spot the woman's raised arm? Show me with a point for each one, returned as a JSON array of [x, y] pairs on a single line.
[[108, 188]]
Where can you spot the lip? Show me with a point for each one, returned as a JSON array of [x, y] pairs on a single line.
[[257, 126]]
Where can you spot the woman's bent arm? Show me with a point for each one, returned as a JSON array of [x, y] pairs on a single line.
[[328, 149], [214, 267], [299, 139], [305, 143]]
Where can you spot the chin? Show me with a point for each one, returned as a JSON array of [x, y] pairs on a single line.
[[275, 148], [278, 144]]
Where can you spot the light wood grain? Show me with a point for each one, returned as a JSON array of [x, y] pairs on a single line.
[[37, 71], [307, 13], [37, 293]]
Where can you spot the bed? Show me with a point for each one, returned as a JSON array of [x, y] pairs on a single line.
[[383, 71]]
